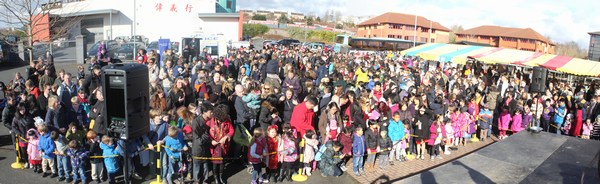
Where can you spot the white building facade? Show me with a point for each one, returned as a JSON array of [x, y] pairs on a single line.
[[155, 19]]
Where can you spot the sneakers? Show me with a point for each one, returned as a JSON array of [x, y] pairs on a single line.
[[54, 175], [343, 168], [61, 179], [431, 158], [261, 180], [391, 163], [323, 175], [27, 166], [438, 157], [136, 176], [45, 175], [447, 152], [357, 173], [69, 180]]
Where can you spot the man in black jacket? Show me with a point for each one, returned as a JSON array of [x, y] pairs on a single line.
[[201, 143], [9, 112], [98, 113]]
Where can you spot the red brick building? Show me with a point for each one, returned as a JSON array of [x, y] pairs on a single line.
[[505, 37], [402, 26]]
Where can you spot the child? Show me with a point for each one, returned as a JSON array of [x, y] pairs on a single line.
[[567, 125], [47, 148], [435, 137], [396, 134], [527, 118], [384, 146], [272, 146], [78, 159], [517, 121], [174, 144], [503, 122], [345, 138], [358, 151], [405, 140], [450, 135], [330, 159], [80, 72], [288, 154], [371, 142], [485, 118], [311, 144], [75, 134], [109, 152], [92, 144], [257, 150], [35, 158], [587, 127], [62, 160], [559, 117]]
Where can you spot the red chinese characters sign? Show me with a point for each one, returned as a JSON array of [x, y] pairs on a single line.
[[173, 7]]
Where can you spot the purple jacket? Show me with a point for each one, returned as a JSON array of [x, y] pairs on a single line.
[[527, 118], [547, 114]]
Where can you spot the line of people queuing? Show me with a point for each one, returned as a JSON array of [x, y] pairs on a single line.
[[328, 107]]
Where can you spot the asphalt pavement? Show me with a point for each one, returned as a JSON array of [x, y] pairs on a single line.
[[235, 173]]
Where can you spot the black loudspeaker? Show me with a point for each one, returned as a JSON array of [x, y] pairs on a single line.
[[538, 80], [126, 95]]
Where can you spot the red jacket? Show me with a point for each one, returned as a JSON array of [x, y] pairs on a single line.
[[433, 133], [259, 150], [272, 145], [346, 143], [216, 133], [302, 119]]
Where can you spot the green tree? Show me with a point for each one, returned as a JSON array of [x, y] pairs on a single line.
[[252, 30], [339, 26], [310, 21], [318, 19], [283, 19], [453, 30], [259, 17]]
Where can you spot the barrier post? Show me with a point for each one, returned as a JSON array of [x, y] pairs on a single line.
[[17, 164], [300, 177], [158, 163]]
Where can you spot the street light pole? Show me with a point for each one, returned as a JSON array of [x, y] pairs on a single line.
[[134, 31]]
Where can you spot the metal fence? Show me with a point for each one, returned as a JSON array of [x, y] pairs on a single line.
[[61, 51]]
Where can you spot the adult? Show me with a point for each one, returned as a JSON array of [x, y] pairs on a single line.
[[303, 115], [67, 90], [200, 143], [221, 131], [21, 123], [289, 103], [330, 123], [98, 113]]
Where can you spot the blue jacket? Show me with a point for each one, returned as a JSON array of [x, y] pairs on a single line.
[[358, 146], [174, 147], [46, 146], [395, 130], [110, 162], [559, 116]]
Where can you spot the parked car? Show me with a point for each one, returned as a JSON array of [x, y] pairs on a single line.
[[111, 46], [152, 46], [121, 39], [288, 42], [139, 38], [125, 51]]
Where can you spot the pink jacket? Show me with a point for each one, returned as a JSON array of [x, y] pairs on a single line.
[[32, 148], [517, 123], [287, 150], [587, 129], [433, 134], [504, 120]]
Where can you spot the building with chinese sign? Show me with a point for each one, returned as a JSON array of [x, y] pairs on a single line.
[[177, 20]]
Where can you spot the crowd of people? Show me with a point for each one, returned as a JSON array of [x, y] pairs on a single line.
[[283, 109]]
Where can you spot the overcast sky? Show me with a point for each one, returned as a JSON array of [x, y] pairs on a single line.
[[561, 20]]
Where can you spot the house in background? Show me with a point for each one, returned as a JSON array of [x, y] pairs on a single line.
[[594, 51], [506, 37], [403, 26]]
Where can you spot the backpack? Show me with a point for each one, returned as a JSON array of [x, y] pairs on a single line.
[[241, 135], [319, 154]]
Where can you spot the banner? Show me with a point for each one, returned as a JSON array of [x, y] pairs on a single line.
[[163, 44]]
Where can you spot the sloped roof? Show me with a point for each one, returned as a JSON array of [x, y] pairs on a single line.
[[406, 19], [594, 33], [488, 30]]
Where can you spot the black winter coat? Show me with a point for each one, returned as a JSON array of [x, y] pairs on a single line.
[[201, 139]]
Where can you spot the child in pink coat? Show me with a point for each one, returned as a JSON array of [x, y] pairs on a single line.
[[503, 122], [517, 122], [35, 158], [587, 129]]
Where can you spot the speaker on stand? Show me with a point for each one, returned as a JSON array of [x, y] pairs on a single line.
[[537, 86]]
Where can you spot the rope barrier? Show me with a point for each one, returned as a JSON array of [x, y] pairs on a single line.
[[109, 156]]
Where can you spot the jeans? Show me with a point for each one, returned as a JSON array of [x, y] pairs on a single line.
[[371, 158], [81, 171], [256, 172], [383, 160], [396, 150], [111, 177], [97, 170], [172, 168], [199, 166], [62, 163], [357, 163]]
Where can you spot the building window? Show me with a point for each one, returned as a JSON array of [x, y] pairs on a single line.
[[374, 36], [432, 30], [432, 40], [229, 4], [409, 27], [424, 30], [423, 39]]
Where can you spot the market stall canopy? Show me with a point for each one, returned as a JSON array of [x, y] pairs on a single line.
[[458, 54]]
